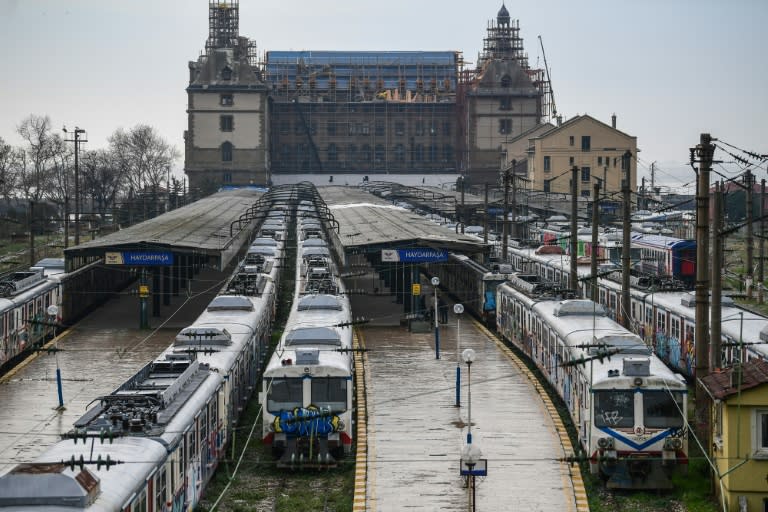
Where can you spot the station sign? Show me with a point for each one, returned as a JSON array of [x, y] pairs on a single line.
[[415, 289], [415, 255], [139, 258]]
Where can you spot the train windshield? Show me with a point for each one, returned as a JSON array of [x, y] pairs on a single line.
[[615, 409], [284, 394], [330, 393], [663, 409]]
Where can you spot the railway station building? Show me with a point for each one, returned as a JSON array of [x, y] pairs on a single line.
[[372, 112]]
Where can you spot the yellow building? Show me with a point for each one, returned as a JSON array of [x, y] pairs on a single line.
[[591, 145], [740, 435]]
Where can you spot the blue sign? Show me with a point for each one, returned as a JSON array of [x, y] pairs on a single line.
[[416, 255], [147, 258]]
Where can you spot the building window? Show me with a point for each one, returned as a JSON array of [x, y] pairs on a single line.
[[227, 100], [547, 164], [546, 185], [285, 127], [446, 128], [505, 104], [760, 433], [505, 126], [399, 128], [418, 153], [585, 174], [365, 154], [379, 154], [506, 81], [226, 152], [226, 73], [586, 142], [351, 153], [419, 128], [570, 140], [433, 153], [380, 129], [331, 128], [447, 153], [227, 123], [227, 177], [433, 129], [585, 193], [570, 160], [400, 154], [333, 152]]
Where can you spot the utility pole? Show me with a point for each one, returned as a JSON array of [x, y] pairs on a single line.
[[485, 216], [463, 211], [513, 205], [717, 283], [626, 244], [750, 238], [704, 151], [505, 222], [761, 268], [642, 201], [77, 140], [574, 229], [595, 220]]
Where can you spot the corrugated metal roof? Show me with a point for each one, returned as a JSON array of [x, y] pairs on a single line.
[[367, 220], [203, 226]]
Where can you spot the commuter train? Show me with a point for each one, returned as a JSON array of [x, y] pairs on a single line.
[[307, 390], [154, 443], [629, 408], [25, 297], [655, 255]]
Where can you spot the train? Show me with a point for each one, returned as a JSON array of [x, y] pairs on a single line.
[[652, 254], [155, 441], [629, 408], [25, 296], [307, 390]]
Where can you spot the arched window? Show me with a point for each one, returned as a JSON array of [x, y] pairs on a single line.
[[226, 152], [226, 73], [506, 81]]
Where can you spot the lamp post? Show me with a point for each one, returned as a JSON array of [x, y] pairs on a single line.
[[435, 283], [458, 309], [53, 312], [471, 453], [77, 140]]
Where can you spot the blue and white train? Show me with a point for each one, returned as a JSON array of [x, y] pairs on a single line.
[[629, 408], [307, 396]]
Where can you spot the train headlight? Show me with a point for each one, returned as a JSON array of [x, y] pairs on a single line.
[[673, 444], [342, 426], [606, 443]]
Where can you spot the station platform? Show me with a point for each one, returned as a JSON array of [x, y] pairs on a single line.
[[415, 431]]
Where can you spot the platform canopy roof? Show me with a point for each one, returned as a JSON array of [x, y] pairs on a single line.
[[366, 220], [202, 227]]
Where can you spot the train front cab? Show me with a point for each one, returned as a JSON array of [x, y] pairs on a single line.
[[639, 436]]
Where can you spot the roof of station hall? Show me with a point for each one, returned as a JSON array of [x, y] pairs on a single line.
[[367, 220], [203, 226]]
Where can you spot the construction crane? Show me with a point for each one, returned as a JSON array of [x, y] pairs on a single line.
[[546, 68]]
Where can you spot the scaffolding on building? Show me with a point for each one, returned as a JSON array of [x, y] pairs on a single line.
[[223, 24]]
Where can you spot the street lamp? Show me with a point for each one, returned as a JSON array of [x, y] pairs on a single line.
[[471, 453], [435, 283], [469, 357], [53, 312], [77, 140], [458, 309]]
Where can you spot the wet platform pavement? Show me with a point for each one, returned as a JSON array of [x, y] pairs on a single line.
[[97, 355], [416, 432]]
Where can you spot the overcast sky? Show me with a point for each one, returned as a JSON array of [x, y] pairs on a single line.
[[669, 69]]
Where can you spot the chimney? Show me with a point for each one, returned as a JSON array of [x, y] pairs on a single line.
[[613, 121]]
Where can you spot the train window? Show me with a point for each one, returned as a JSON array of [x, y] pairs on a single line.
[[675, 328], [661, 322], [284, 394], [662, 409], [140, 503], [330, 393], [614, 409], [160, 484]]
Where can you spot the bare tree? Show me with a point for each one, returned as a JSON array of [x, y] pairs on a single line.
[[103, 177], [8, 169], [35, 178]]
